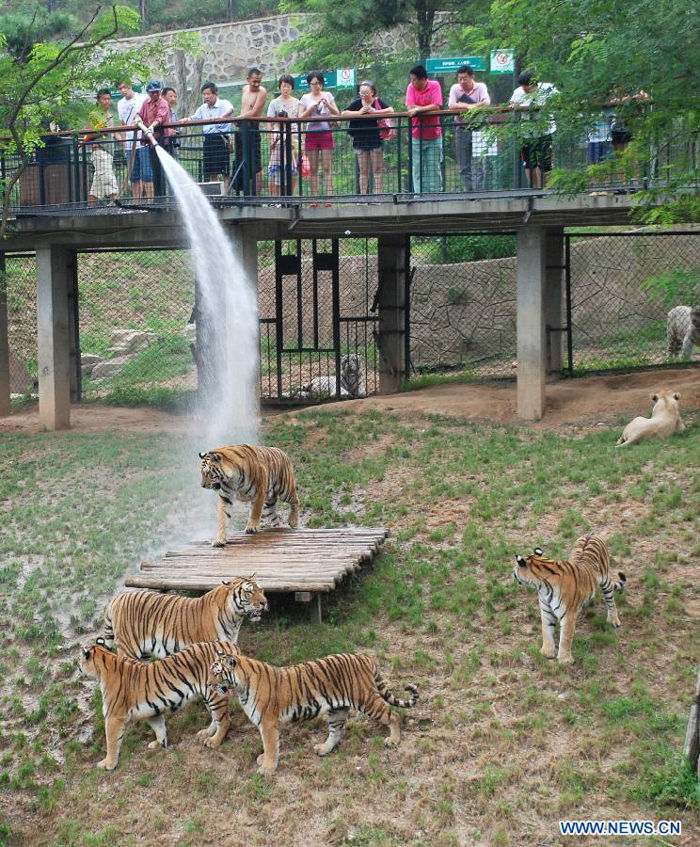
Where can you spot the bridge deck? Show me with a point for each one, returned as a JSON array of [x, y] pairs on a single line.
[[309, 562]]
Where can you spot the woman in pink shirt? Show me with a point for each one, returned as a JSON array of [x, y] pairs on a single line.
[[319, 138], [424, 95]]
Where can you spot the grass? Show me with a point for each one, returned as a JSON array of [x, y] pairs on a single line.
[[502, 744]]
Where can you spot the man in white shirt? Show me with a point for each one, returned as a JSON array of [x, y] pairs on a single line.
[[466, 95], [128, 109], [536, 152], [216, 136]]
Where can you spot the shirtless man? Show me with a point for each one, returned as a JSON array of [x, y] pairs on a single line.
[[253, 97]]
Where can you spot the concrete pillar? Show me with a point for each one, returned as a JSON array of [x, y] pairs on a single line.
[[554, 318], [53, 268], [391, 300], [4, 344], [531, 336]]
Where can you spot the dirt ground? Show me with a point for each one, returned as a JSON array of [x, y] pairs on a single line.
[[588, 399]]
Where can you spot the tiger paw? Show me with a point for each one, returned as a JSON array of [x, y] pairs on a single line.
[[204, 734], [251, 530], [107, 764], [266, 771], [213, 741], [154, 745], [260, 759], [615, 622], [391, 742], [218, 544], [320, 750], [566, 660], [548, 652]]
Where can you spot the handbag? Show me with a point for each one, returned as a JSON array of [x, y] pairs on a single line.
[[386, 129], [305, 167]]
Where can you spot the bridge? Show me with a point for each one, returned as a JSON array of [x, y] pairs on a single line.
[[53, 217]]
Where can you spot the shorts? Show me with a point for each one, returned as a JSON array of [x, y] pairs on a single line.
[[598, 151], [366, 147], [104, 183], [537, 153], [319, 140], [142, 170], [256, 142], [215, 158], [274, 173]]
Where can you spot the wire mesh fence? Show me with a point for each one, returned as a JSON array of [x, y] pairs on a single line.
[[319, 321]]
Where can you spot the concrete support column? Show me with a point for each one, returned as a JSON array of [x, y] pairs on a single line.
[[391, 265], [54, 282], [554, 302], [4, 344], [531, 280]]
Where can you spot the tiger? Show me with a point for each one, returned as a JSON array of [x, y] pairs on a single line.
[[246, 472], [148, 623], [682, 330], [147, 690], [565, 587], [271, 696]]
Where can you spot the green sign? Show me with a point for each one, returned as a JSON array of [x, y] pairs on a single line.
[[502, 62], [451, 64], [342, 78]]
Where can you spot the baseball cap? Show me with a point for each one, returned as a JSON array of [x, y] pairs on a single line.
[[154, 85]]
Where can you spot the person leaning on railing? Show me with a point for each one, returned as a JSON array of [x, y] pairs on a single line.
[[284, 106], [536, 151], [104, 183], [424, 95], [466, 95], [319, 138], [215, 159], [366, 134], [253, 97]]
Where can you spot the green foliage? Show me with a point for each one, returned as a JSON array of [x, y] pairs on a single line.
[[673, 286]]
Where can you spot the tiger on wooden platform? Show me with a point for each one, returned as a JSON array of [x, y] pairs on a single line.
[[146, 691], [245, 472], [148, 623], [331, 686], [565, 587]]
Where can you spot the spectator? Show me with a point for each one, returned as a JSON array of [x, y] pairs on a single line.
[[465, 96], [423, 95], [128, 109], [216, 150], [152, 115], [253, 97], [284, 106], [104, 183], [366, 137], [172, 142], [536, 152], [319, 138]]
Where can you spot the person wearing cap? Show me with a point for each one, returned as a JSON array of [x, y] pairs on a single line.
[[152, 115], [466, 95]]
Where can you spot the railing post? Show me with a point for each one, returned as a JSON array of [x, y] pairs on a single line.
[[5, 404], [399, 133]]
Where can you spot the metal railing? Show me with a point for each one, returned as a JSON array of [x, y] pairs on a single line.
[[282, 159]]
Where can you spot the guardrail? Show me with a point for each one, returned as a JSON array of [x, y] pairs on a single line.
[[280, 160]]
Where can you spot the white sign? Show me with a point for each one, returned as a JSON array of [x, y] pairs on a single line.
[[502, 62], [345, 78]]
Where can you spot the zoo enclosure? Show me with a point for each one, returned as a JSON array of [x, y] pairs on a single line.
[[317, 302]]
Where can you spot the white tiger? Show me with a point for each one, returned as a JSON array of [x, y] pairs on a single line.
[[352, 383], [683, 330]]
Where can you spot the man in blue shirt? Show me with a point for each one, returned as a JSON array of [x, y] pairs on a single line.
[[216, 136]]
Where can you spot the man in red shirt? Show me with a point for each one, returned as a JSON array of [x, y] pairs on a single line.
[[152, 115], [424, 95]]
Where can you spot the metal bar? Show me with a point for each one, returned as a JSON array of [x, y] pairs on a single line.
[[335, 278], [74, 330], [279, 337], [569, 325], [314, 294], [407, 306]]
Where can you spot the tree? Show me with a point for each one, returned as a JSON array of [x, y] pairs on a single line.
[[611, 51], [343, 34], [41, 84]]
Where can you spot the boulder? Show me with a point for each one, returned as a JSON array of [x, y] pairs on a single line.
[[88, 362], [109, 368], [126, 342]]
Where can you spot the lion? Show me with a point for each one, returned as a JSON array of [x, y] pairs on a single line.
[[664, 421]]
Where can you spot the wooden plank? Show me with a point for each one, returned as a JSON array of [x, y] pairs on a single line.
[[138, 581]]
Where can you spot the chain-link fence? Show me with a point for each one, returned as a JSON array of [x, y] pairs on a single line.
[[319, 321]]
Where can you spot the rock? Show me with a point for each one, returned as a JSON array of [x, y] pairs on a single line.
[[109, 368], [88, 362], [125, 342], [190, 333]]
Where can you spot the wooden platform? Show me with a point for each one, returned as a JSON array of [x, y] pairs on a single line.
[[309, 562]]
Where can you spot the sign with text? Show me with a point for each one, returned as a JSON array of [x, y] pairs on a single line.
[[342, 78], [345, 78], [451, 64], [502, 62]]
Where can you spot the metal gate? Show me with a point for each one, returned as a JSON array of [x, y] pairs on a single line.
[[318, 322]]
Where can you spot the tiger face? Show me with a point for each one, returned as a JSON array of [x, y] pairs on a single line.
[[529, 570], [87, 659], [222, 674], [212, 470], [247, 599]]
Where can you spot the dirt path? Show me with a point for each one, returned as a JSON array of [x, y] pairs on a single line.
[[582, 400]]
